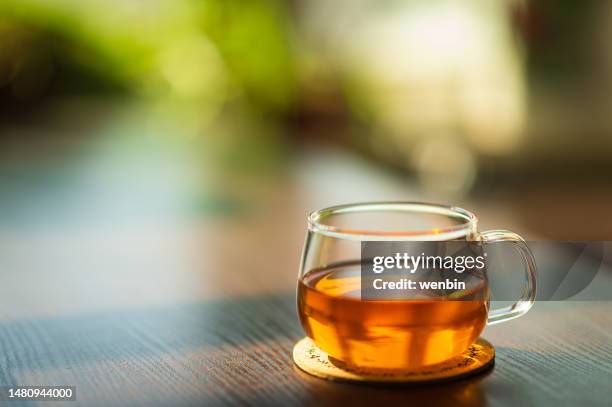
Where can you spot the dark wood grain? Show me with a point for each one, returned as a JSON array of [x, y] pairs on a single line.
[[238, 352]]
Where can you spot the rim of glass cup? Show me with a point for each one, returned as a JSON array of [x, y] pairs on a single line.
[[316, 224]]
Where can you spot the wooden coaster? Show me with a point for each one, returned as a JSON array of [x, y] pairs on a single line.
[[479, 357]]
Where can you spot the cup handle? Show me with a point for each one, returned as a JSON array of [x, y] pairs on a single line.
[[529, 289]]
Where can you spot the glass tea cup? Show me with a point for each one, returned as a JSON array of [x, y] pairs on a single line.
[[397, 334]]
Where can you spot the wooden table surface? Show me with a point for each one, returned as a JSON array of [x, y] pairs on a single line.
[[130, 274], [238, 352]]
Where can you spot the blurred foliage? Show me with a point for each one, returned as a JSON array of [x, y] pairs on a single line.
[[433, 87], [209, 51], [553, 25]]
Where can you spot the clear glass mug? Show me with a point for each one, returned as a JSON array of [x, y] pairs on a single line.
[[393, 334]]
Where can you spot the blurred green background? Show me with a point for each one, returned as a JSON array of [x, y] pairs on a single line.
[[201, 106]]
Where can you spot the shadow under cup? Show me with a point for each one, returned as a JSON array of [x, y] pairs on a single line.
[[391, 334]]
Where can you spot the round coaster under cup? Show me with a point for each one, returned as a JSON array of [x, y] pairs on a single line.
[[478, 357]]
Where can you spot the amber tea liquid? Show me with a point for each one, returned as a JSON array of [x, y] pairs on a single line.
[[398, 334]]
